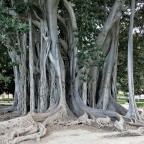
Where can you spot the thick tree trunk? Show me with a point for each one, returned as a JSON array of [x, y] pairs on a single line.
[[44, 51], [112, 18], [17, 95], [106, 41], [20, 93], [106, 85], [22, 71], [55, 73], [132, 111]]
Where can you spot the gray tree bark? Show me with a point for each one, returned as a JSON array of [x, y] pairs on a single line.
[[31, 67], [132, 111]]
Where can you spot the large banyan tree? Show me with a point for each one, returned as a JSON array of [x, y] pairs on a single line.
[[48, 81]]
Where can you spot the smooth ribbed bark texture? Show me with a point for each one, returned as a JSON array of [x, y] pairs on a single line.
[[31, 67]]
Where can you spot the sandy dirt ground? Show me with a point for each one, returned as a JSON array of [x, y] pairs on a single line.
[[81, 136], [84, 135], [87, 135]]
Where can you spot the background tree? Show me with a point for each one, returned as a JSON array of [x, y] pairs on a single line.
[[6, 72], [138, 51], [132, 111]]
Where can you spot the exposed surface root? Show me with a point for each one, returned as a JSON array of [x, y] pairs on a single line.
[[24, 128], [119, 125], [20, 129], [21, 132], [136, 124], [102, 122], [82, 120], [11, 115], [137, 132], [8, 109], [31, 133], [59, 117], [28, 128]]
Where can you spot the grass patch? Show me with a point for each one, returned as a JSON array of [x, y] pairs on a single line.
[[140, 100], [6, 99], [121, 101], [140, 104]]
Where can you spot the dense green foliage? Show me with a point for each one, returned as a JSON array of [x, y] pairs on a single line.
[[6, 71], [138, 52], [90, 15], [10, 27]]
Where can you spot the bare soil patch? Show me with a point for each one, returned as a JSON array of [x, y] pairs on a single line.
[[85, 135]]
